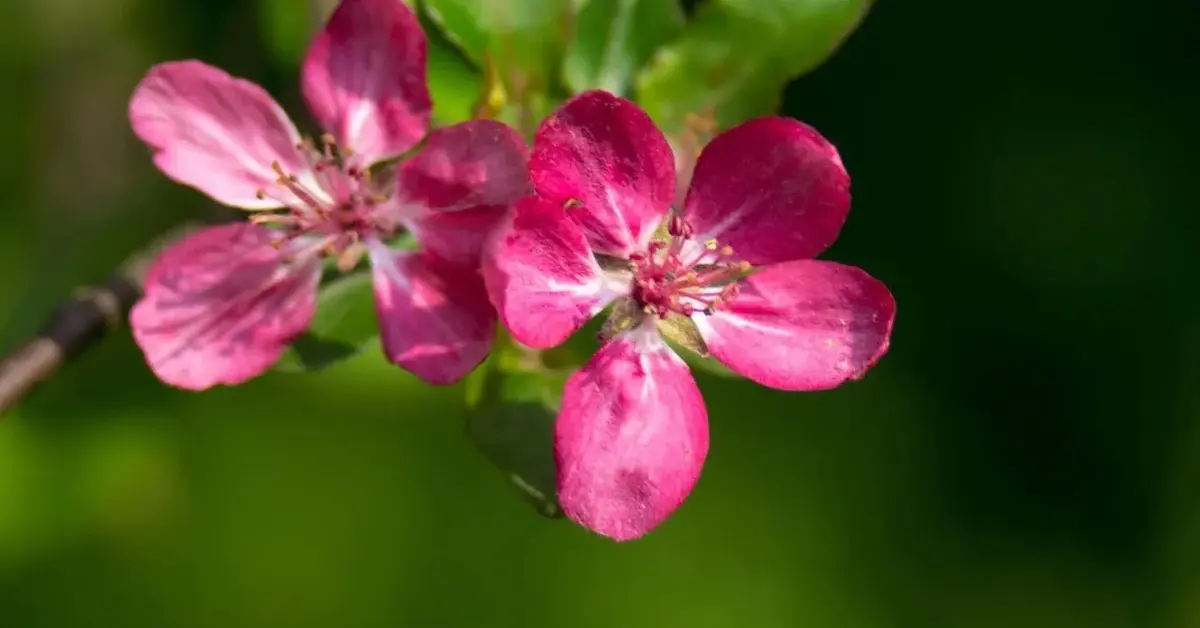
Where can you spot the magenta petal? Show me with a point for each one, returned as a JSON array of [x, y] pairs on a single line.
[[435, 320], [457, 237], [771, 188], [221, 306], [803, 325], [463, 180], [541, 275], [481, 162], [605, 153], [631, 437], [365, 78], [214, 132]]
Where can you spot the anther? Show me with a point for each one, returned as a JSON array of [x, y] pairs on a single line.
[[727, 250], [264, 219], [572, 203], [678, 227], [710, 245]]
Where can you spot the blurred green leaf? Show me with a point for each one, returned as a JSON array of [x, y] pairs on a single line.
[[454, 84], [524, 31], [614, 38], [462, 22], [517, 43], [513, 400], [735, 56], [345, 323], [513, 427]]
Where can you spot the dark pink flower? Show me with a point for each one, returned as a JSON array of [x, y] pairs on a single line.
[[730, 273], [221, 306]]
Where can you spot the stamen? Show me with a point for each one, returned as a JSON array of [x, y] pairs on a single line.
[[350, 257], [666, 284], [679, 228], [331, 206], [274, 219]]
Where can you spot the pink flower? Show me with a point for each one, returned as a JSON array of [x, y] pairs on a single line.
[[222, 305], [731, 273]]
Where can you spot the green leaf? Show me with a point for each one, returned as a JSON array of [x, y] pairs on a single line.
[[735, 57], [454, 84], [523, 40], [613, 39], [512, 30], [345, 323], [461, 21], [513, 427]]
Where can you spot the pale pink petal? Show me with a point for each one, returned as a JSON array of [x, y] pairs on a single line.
[[802, 325], [771, 188], [365, 78], [214, 132], [541, 275], [476, 163], [221, 306], [435, 320], [631, 437], [461, 184], [602, 158]]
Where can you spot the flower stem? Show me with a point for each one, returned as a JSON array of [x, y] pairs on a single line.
[[79, 323]]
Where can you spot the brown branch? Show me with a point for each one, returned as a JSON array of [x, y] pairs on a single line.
[[92, 313]]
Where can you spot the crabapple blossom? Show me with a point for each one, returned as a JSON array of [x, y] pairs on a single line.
[[730, 274], [221, 306]]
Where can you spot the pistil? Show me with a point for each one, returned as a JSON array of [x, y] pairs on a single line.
[[665, 284], [332, 210]]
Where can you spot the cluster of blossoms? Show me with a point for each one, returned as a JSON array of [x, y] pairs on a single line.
[[543, 239], [222, 305]]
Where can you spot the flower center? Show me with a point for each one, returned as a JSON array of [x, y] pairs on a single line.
[[331, 208], [671, 277]]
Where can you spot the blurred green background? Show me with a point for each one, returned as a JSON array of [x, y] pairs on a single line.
[[1026, 455]]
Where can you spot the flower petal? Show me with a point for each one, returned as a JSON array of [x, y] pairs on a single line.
[[771, 188], [802, 325], [462, 182], [435, 320], [631, 437], [541, 275], [221, 306], [460, 167], [604, 153], [214, 132], [457, 237], [365, 78]]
